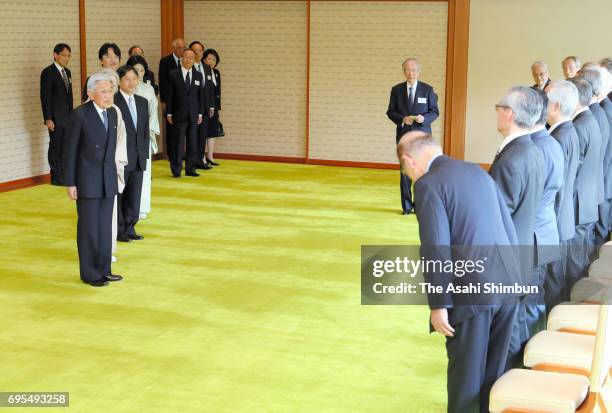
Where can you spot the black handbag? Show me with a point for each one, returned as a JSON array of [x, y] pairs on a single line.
[[220, 131]]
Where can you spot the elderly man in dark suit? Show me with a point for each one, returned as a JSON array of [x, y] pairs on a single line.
[[56, 101], [539, 72], [518, 169], [459, 205], [413, 106], [546, 230], [90, 173], [589, 183], [562, 102], [135, 112], [209, 101], [184, 111], [166, 65], [594, 77]]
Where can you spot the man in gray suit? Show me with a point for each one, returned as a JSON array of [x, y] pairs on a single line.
[[546, 230], [593, 76], [457, 204], [587, 185], [518, 169], [562, 102]]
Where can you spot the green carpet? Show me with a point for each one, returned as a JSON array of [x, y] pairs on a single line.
[[243, 297]]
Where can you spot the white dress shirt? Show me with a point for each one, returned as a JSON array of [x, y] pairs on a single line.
[[584, 109], [185, 71], [555, 126], [510, 138], [100, 110], [414, 88], [177, 59]]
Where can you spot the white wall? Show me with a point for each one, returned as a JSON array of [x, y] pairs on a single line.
[[506, 36]]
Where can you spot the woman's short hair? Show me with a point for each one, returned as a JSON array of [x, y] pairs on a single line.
[[138, 60], [212, 52]]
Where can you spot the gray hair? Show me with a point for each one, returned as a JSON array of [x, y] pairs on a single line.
[[412, 59], [175, 41], [565, 94], [411, 143], [539, 63], [526, 105], [606, 63], [606, 80], [575, 59], [585, 91], [593, 76], [106, 75]]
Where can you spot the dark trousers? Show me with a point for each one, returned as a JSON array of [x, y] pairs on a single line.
[[578, 253], [94, 237], [169, 140], [406, 192], [477, 356], [128, 203], [555, 291], [185, 139], [202, 136], [602, 227], [56, 148]]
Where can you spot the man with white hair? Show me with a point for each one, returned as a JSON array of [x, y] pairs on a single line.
[[91, 177], [539, 72], [588, 180], [562, 102], [518, 169], [606, 63], [570, 65]]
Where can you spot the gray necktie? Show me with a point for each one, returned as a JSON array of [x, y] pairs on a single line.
[[105, 117], [411, 96], [132, 106], [66, 82]]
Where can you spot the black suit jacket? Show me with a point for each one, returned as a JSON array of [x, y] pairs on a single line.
[[459, 205], [606, 105], [399, 107], [567, 137], [217, 89], [604, 128], [56, 101], [589, 175], [137, 141], [519, 172], [185, 104], [166, 65], [545, 85], [89, 153]]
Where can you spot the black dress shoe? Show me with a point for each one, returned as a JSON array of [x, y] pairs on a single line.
[[113, 277], [123, 238], [203, 166], [192, 173], [213, 163], [176, 176], [136, 237], [407, 212], [102, 282]]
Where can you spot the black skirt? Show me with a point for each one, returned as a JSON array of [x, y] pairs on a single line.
[[214, 126]]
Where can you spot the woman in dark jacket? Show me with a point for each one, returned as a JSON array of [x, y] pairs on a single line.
[[215, 128]]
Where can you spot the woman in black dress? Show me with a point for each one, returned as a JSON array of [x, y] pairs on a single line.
[[215, 128]]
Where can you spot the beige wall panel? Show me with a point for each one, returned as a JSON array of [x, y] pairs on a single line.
[[357, 49], [262, 45], [28, 32], [506, 36], [127, 23]]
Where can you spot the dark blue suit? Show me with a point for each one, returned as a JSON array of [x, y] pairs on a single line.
[[89, 164], [588, 190], [606, 105], [519, 171], [546, 230], [555, 285], [602, 227], [425, 103], [457, 204]]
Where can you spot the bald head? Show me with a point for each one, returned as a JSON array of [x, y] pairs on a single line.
[[178, 47], [415, 151]]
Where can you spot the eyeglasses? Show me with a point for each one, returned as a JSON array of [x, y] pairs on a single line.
[[502, 107]]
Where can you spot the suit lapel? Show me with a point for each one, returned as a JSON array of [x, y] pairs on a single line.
[[120, 101], [96, 121], [111, 142]]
